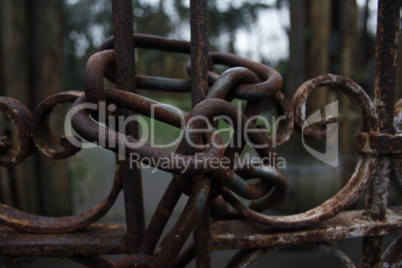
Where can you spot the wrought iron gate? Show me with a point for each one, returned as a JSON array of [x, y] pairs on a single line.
[[210, 189]]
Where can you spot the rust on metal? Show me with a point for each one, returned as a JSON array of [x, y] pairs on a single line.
[[392, 256], [379, 143], [348, 224], [124, 75], [41, 132], [384, 87], [396, 175], [20, 115], [98, 239], [246, 256], [199, 50]]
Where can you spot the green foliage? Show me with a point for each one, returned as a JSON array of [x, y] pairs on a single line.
[[89, 22]]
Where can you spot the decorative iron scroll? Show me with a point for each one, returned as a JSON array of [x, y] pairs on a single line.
[[209, 189]]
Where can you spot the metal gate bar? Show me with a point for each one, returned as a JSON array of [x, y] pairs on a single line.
[[384, 87], [125, 74]]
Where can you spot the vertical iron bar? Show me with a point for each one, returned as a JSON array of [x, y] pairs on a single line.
[[125, 80], [199, 50], [386, 53], [199, 89], [202, 237]]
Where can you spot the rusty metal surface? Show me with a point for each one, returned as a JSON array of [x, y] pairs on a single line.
[[396, 175], [199, 50], [246, 256], [124, 75], [347, 224], [384, 87], [392, 256], [224, 210], [20, 115], [41, 133], [98, 239], [87, 261]]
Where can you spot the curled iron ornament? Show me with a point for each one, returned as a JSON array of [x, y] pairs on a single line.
[[28, 222], [357, 183], [353, 91], [41, 132], [22, 119], [48, 145]]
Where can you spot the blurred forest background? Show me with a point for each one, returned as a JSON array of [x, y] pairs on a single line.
[[46, 43]]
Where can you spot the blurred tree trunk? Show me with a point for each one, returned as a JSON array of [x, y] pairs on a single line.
[[32, 63], [347, 21], [320, 24], [18, 184], [46, 52], [366, 53], [297, 59]]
